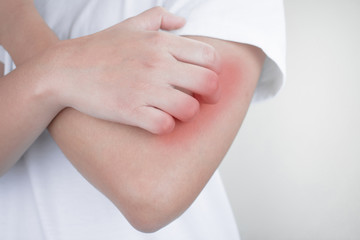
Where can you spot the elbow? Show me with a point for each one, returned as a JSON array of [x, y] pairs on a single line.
[[149, 215], [150, 207], [152, 212], [148, 221]]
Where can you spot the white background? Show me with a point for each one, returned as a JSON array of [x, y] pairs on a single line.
[[297, 170]]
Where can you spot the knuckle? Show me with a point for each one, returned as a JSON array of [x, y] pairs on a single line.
[[209, 54], [158, 9], [131, 21], [151, 64], [157, 38]]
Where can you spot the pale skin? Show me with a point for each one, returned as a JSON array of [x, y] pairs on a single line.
[[107, 86], [154, 184]]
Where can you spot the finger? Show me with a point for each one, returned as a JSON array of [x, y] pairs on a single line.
[[156, 18], [154, 120], [197, 80], [194, 52], [212, 99], [180, 105]]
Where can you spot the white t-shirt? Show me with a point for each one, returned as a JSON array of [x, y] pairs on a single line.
[[44, 197]]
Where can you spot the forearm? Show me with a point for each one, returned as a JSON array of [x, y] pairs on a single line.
[[24, 103], [120, 93], [27, 108], [1, 69], [152, 179], [23, 32], [152, 184]]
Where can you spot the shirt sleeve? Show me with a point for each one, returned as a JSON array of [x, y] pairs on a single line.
[[257, 22]]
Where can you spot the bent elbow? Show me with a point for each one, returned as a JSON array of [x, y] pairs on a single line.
[[149, 208], [148, 223], [154, 213]]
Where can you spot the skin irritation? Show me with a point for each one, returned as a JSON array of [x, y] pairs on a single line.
[[230, 84], [130, 165], [159, 174]]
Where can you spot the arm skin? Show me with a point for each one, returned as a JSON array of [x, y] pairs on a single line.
[[26, 36], [153, 179], [26, 112], [99, 75]]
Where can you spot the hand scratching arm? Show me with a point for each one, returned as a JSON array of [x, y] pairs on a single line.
[[152, 179]]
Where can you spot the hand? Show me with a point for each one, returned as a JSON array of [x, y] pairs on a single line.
[[134, 74]]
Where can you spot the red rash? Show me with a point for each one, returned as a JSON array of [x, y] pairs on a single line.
[[230, 84]]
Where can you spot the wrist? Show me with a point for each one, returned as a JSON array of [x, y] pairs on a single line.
[[31, 90], [43, 83], [53, 82]]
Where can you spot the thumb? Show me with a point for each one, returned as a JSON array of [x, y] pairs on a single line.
[[157, 18]]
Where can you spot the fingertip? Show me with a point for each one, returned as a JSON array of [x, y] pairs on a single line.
[[154, 120], [210, 99], [164, 125], [172, 22], [192, 108], [211, 94], [181, 21], [161, 122]]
